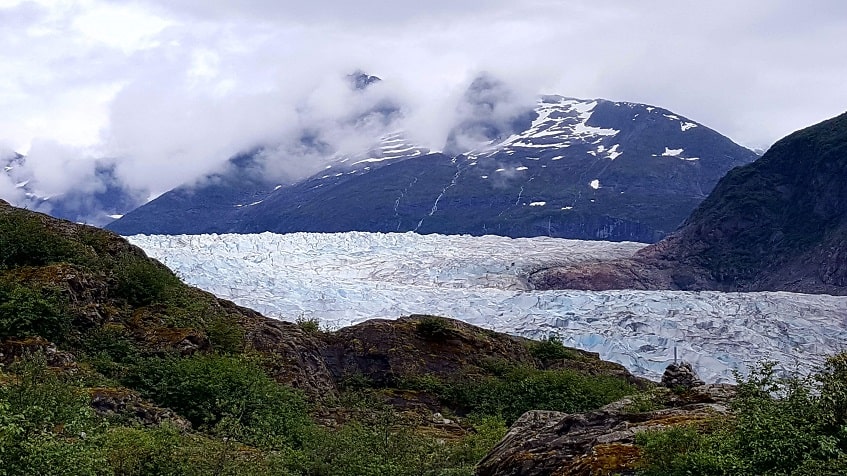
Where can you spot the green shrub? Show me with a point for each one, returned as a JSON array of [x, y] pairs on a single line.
[[46, 426], [524, 389], [487, 431], [832, 384], [25, 241], [646, 402], [111, 341], [29, 311], [109, 350], [142, 281], [386, 444], [515, 389], [164, 450], [229, 393], [433, 328], [552, 349], [225, 335], [310, 325], [793, 425], [139, 451], [686, 450], [386, 447]]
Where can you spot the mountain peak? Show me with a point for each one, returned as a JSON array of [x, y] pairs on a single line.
[[560, 167], [359, 80]]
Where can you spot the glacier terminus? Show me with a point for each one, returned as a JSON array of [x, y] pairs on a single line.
[[344, 278]]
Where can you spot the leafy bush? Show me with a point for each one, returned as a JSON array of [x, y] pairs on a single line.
[[310, 325], [524, 389], [28, 311], [387, 445], [142, 281], [686, 450], [516, 389], [552, 349], [44, 425], [25, 241], [137, 451], [47, 427], [487, 432], [227, 394], [225, 335], [646, 401], [433, 328], [111, 341], [781, 426]]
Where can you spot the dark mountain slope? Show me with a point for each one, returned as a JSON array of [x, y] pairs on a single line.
[[589, 169], [779, 223]]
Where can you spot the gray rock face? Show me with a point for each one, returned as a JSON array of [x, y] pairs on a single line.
[[295, 356], [601, 442]]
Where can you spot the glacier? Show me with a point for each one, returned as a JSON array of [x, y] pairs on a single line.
[[344, 278]]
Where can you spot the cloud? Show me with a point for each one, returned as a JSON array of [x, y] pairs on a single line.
[[9, 190], [168, 91], [54, 169]]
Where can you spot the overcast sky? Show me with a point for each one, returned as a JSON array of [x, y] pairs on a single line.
[[169, 89]]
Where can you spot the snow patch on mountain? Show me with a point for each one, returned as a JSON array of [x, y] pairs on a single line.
[[613, 152], [675, 153], [345, 278], [391, 146], [559, 123]]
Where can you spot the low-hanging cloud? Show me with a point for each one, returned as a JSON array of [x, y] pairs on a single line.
[[186, 84]]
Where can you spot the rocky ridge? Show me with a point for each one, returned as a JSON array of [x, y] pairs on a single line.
[[602, 442], [778, 224]]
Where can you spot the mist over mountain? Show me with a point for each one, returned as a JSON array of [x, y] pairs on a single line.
[[99, 198], [554, 166]]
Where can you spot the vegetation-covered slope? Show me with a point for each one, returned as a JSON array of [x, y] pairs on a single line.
[[109, 364]]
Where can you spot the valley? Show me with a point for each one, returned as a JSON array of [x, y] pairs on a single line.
[[423, 238]]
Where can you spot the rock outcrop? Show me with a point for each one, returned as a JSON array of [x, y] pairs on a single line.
[[601, 442], [778, 224], [123, 402], [293, 356], [384, 350]]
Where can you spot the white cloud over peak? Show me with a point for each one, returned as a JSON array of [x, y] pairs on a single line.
[[167, 91]]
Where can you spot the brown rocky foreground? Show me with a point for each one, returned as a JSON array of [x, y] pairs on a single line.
[[602, 442]]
